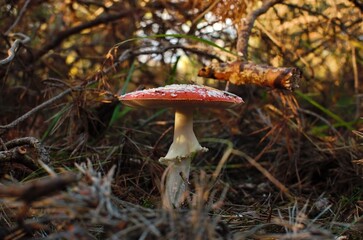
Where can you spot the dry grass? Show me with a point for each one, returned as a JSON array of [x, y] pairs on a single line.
[[236, 196]]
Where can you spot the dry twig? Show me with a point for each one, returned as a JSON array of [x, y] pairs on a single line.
[[76, 29], [12, 51], [33, 111], [42, 153], [241, 73], [21, 13], [34, 191], [246, 24]]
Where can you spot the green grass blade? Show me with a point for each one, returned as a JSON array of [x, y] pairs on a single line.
[[339, 120], [55, 122], [198, 39], [172, 77], [117, 112], [128, 78], [152, 117]]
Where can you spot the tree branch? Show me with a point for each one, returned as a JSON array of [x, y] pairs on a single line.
[[246, 24], [12, 154], [66, 33], [20, 15], [14, 47], [33, 142]]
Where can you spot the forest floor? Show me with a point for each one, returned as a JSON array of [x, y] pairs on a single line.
[[279, 179]]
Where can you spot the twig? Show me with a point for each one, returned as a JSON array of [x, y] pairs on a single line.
[[18, 155], [127, 54], [33, 191], [2, 145], [266, 173], [14, 47], [21, 13], [206, 10], [34, 110], [246, 24], [12, 154], [321, 118], [224, 158], [32, 142], [66, 33], [230, 150], [94, 2]]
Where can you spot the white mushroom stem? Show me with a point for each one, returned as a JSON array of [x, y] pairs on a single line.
[[185, 145], [177, 175], [185, 142]]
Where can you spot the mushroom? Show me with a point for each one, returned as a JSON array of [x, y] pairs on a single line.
[[183, 98]]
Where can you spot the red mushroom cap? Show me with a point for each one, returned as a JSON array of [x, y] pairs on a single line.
[[181, 95]]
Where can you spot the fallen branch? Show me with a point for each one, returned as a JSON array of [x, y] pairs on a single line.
[[241, 73], [33, 142], [12, 154]]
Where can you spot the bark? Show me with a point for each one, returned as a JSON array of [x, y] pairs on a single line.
[[246, 24], [241, 73]]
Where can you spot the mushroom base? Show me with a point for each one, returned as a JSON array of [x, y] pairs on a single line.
[[176, 183], [176, 159], [183, 149]]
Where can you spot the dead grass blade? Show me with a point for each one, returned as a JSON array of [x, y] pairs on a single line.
[[265, 172]]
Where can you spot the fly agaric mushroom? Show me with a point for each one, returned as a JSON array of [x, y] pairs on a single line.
[[183, 98]]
